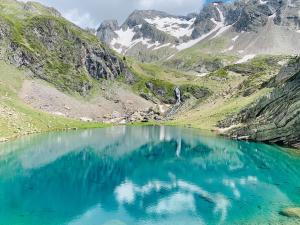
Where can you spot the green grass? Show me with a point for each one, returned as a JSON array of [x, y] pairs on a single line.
[[59, 57], [206, 116], [18, 118], [207, 52]]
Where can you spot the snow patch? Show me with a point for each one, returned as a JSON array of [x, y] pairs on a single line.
[[298, 31], [262, 2], [229, 49], [125, 41], [272, 16], [222, 30], [174, 26], [170, 57], [221, 24], [235, 38], [201, 74], [246, 58], [190, 43], [162, 46], [124, 37]]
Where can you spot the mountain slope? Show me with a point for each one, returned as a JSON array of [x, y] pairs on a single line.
[[276, 117], [246, 28], [17, 118], [55, 50], [54, 74]]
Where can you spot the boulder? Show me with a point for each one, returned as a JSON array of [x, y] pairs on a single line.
[[291, 212]]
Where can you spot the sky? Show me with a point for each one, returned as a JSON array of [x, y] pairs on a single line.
[[90, 13]]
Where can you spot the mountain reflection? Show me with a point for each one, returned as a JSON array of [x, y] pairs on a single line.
[[142, 175]]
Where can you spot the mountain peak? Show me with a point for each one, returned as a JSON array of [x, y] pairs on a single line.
[[155, 33]]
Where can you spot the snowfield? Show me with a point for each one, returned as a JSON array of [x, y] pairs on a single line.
[[174, 26]]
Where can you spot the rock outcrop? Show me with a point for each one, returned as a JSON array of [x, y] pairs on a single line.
[[275, 118]]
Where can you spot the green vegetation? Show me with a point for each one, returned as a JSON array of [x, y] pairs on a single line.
[[205, 54], [207, 115], [56, 57], [259, 72], [52, 46], [154, 81], [17, 118]]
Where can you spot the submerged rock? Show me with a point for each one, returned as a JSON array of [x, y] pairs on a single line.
[[291, 212]]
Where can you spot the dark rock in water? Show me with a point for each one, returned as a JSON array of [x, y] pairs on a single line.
[[275, 118], [291, 212]]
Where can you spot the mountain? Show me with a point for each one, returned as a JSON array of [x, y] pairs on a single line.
[[53, 49], [244, 28], [55, 75], [147, 30]]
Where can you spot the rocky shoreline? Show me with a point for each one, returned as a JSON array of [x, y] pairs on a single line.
[[275, 118]]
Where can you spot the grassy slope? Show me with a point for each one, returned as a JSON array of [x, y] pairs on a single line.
[[232, 91], [16, 118], [171, 78], [206, 52], [61, 65], [207, 115]]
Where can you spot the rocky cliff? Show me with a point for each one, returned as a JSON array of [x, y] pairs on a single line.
[[276, 117]]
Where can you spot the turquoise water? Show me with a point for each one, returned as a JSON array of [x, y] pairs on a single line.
[[145, 176]]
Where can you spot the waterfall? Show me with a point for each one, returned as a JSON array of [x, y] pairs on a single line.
[[178, 95], [177, 105]]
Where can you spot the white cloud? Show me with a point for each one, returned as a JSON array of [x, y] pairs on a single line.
[[80, 19], [172, 6], [90, 13], [154, 3]]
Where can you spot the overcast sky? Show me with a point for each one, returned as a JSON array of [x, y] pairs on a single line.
[[90, 13]]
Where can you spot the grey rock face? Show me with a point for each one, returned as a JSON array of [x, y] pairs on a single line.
[[276, 117], [293, 67], [106, 31], [288, 14], [251, 16], [203, 23], [101, 64]]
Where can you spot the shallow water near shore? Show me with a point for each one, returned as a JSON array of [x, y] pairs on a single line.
[[145, 176]]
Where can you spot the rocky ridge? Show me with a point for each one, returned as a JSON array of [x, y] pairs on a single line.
[[247, 27], [275, 118]]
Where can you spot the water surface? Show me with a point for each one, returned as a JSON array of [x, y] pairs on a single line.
[[145, 176]]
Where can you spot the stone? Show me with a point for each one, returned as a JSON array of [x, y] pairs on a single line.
[[86, 119], [291, 212]]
